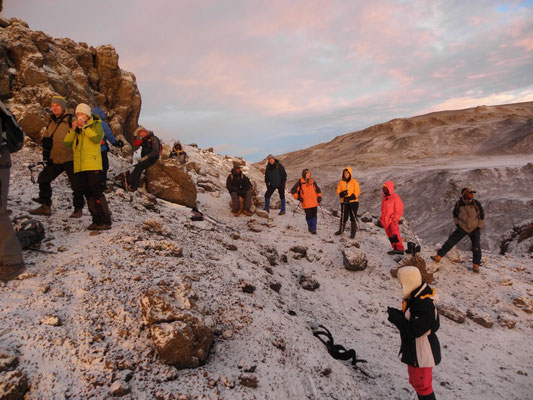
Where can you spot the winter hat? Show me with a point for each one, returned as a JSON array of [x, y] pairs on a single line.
[[84, 109], [61, 101], [467, 190], [410, 278], [270, 156], [139, 130]]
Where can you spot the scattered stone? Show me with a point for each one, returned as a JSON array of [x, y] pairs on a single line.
[[248, 380], [520, 372], [227, 334], [301, 250], [418, 262], [26, 275], [154, 226], [207, 185], [480, 317], [235, 236], [212, 383], [279, 343], [61, 249], [366, 217], [52, 320], [13, 385], [506, 322], [354, 259], [119, 389], [262, 214], [326, 372], [308, 282], [284, 259], [229, 383], [230, 246], [452, 313], [7, 361], [246, 287], [246, 367], [506, 282], [275, 286]]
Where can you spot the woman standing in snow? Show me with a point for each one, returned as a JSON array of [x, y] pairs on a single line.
[[307, 192], [348, 191], [417, 322]]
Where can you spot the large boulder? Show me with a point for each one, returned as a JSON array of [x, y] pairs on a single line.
[[13, 385], [166, 180], [181, 330], [34, 67], [354, 259]]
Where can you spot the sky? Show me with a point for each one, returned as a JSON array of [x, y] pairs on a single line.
[[253, 77]]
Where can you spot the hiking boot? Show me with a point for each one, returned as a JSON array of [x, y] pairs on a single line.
[[42, 210], [103, 227], [395, 251], [475, 268], [11, 271], [246, 212], [237, 213], [313, 231], [77, 213], [436, 258], [93, 227], [282, 212]]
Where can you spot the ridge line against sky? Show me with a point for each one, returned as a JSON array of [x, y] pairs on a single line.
[[258, 77]]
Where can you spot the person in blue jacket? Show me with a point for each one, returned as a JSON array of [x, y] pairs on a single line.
[[107, 137]]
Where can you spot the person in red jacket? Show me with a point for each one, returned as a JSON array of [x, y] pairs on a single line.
[[391, 212], [307, 192]]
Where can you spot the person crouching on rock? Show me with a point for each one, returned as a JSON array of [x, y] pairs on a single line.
[[307, 192], [239, 187], [391, 212], [84, 138], [348, 191], [150, 152], [417, 322]]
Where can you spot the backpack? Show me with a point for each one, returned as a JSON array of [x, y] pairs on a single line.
[[29, 231], [14, 134]]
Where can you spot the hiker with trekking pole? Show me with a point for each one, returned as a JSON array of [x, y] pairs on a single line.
[[348, 191], [307, 192]]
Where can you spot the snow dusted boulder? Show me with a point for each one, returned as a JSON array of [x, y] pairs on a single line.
[[308, 282], [519, 239], [452, 313], [181, 331], [167, 181], [366, 217], [354, 259], [482, 318], [13, 385]]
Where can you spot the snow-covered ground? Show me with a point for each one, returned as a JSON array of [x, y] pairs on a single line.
[[93, 282]]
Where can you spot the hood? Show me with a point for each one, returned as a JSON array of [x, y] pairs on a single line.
[[98, 111], [349, 170], [410, 278], [234, 172], [389, 185]]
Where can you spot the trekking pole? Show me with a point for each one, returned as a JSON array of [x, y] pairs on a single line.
[[342, 217]]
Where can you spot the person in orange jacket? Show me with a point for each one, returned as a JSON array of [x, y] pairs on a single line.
[[348, 191], [307, 192], [391, 212]]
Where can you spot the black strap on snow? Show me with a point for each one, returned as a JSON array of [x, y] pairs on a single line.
[[338, 351]]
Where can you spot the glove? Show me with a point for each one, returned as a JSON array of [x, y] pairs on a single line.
[[395, 315], [319, 199], [119, 143], [344, 193], [300, 199]]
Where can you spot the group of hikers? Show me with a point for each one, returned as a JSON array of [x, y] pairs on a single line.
[[77, 145]]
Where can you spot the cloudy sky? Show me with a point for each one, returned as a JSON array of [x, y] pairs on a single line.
[[253, 77]]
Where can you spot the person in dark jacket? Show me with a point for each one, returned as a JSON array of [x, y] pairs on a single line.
[[307, 192], [109, 137], [179, 153], [275, 178], [239, 186], [417, 322], [11, 262], [150, 148], [469, 218]]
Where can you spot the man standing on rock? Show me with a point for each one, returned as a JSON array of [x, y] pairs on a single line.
[[11, 263], [469, 218], [275, 178], [239, 186], [307, 192], [391, 212], [58, 159], [150, 151]]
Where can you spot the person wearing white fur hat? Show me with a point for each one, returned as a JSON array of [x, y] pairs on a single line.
[[417, 321]]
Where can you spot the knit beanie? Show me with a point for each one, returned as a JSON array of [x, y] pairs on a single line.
[[61, 101], [270, 156], [410, 278], [84, 109]]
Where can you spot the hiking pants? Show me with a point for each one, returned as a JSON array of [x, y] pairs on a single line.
[[10, 250], [456, 236], [349, 210], [393, 233], [92, 185], [49, 174], [236, 204], [311, 217], [271, 190], [135, 177], [105, 166], [421, 379]]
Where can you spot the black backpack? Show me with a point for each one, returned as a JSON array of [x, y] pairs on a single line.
[[29, 231], [13, 131]]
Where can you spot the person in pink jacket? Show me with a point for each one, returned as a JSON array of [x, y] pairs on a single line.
[[391, 212]]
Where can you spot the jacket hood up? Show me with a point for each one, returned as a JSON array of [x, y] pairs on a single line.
[[389, 185]]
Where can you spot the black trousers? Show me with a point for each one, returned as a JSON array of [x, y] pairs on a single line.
[[135, 176], [311, 213], [456, 236], [271, 190], [49, 174], [349, 210], [92, 185]]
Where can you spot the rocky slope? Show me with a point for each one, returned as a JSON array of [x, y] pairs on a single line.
[[34, 67], [77, 326]]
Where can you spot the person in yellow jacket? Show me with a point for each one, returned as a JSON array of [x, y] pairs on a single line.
[[348, 191], [84, 138]]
